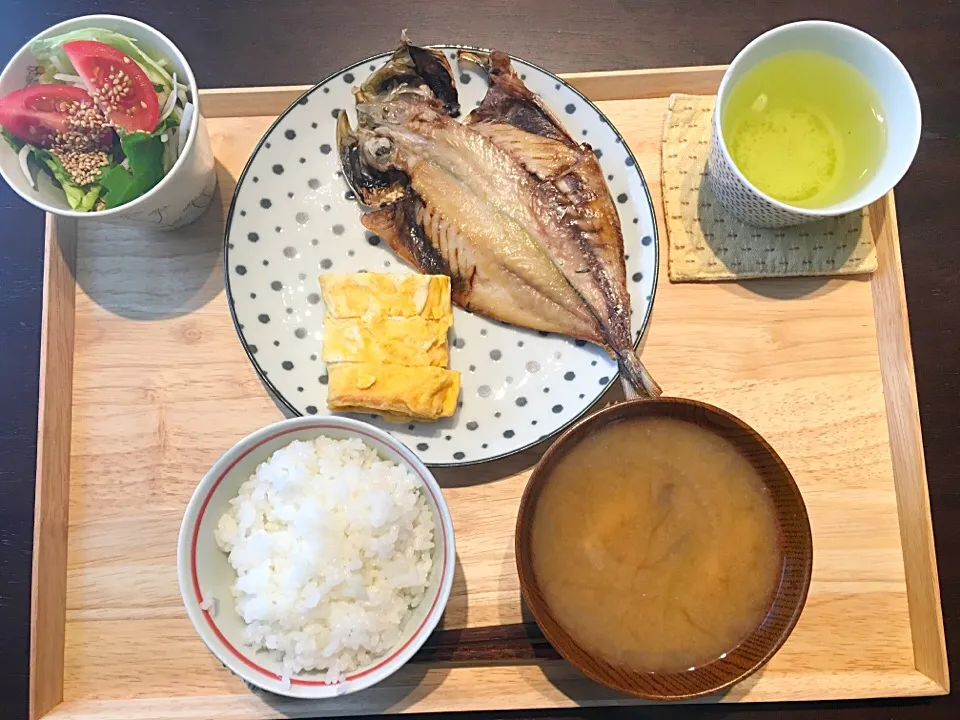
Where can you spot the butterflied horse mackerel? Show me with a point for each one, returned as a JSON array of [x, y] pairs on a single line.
[[506, 204]]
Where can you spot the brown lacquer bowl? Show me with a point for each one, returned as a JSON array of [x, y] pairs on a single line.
[[795, 544]]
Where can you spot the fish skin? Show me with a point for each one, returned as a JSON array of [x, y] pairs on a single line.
[[515, 119], [424, 140], [414, 67], [513, 171], [486, 275]]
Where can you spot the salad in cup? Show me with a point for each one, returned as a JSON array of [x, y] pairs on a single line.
[[102, 117]]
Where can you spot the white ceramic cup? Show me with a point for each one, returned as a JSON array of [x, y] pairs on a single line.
[[881, 68], [180, 197]]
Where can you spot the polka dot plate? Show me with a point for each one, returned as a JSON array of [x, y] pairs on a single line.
[[293, 217]]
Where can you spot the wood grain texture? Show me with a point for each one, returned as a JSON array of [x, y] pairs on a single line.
[[48, 607], [903, 418], [161, 387], [251, 42]]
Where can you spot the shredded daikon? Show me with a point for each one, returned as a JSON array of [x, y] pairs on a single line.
[[22, 156], [184, 128], [171, 101], [69, 79]]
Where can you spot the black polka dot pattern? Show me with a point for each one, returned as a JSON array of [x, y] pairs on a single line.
[[538, 381]]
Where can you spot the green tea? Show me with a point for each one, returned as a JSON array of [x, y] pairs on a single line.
[[805, 128]]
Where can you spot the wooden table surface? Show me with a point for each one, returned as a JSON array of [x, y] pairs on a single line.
[[282, 42]]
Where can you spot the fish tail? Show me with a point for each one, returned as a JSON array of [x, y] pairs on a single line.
[[637, 381]]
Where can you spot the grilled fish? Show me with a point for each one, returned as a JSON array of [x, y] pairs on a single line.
[[507, 205]]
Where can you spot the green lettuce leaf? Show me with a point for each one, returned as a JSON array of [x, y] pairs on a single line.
[[80, 197], [144, 152], [47, 49], [12, 140]]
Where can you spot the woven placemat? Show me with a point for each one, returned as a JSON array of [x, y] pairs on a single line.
[[707, 243]]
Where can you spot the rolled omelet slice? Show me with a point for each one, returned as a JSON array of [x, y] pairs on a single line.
[[396, 392], [386, 294], [391, 340]]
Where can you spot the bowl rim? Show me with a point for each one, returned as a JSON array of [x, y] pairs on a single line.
[[145, 32], [552, 629], [847, 205], [240, 661]]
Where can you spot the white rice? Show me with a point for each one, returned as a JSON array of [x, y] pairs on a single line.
[[333, 548]]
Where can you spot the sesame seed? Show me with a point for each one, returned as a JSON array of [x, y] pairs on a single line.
[[143, 105], [126, 60]]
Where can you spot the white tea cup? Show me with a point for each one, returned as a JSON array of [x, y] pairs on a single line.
[[183, 193], [880, 67]]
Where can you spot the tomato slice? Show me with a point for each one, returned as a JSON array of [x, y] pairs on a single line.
[[120, 87], [36, 114]]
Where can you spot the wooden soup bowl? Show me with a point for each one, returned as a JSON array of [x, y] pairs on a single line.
[[795, 545]]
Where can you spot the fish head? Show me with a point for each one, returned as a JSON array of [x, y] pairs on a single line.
[[411, 66], [374, 185]]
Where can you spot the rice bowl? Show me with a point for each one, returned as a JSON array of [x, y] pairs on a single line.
[[340, 557]]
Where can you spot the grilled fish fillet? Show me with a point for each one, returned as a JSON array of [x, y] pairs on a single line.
[[507, 205]]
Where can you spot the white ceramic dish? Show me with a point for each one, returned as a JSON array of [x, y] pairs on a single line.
[[180, 197], [881, 68], [204, 573], [293, 217]]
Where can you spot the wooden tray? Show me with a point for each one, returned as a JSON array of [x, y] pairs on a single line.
[[144, 385]]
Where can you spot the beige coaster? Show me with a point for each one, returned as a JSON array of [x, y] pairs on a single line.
[[707, 243]]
